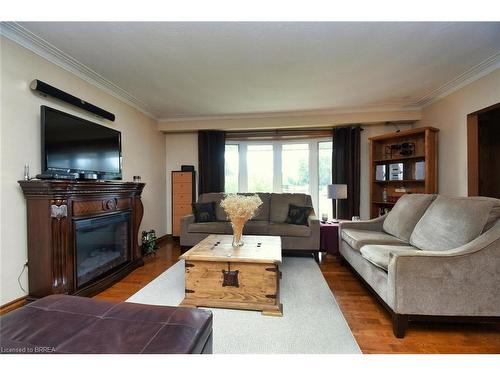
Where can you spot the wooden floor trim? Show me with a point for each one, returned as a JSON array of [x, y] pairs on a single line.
[[162, 241], [12, 305]]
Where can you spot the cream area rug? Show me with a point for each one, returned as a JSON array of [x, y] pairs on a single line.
[[312, 322]]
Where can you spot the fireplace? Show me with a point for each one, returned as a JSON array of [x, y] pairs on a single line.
[[102, 244], [83, 236]]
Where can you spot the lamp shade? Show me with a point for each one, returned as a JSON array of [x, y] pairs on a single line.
[[337, 191]]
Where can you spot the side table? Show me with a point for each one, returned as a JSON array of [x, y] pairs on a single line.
[[329, 238]]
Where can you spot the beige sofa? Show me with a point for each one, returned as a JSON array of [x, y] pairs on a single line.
[[269, 220], [431, 258]]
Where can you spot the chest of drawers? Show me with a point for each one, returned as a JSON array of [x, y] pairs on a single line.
[[183, 195]]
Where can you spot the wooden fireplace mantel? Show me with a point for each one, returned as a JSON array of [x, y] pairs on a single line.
[[53, 207]]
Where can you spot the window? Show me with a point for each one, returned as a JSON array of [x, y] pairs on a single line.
[[232, 167], [295, 168], [260, 167], [303, 166], [325, 178]]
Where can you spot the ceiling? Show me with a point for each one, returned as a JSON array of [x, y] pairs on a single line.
[[177, 70]]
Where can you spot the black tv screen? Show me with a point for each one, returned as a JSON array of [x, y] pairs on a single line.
[[71, 144]]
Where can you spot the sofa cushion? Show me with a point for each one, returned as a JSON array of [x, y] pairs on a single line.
[[379, 255], [357, 238], [289, 230], [262, 213], [451, 222], [220, 214], [406, 213], [281, 202], [256, 227], [215, 227], [298, 215], [204, 212]]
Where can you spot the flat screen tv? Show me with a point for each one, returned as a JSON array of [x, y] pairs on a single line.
[[74, 145]]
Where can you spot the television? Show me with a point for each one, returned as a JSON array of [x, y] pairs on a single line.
[[73, 145]]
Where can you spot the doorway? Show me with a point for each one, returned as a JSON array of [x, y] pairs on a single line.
[[483, 151]]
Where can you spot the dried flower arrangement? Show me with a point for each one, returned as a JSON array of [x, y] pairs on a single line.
[[240, 209]]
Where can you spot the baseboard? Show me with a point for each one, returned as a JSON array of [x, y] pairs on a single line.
[[160, 241], [10, 306]]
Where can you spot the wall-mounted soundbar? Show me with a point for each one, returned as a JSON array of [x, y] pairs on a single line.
[[46, 89]]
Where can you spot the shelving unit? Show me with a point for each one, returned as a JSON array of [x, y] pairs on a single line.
[[424, 143]]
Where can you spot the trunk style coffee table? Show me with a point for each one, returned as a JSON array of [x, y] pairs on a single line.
[[247, 277]]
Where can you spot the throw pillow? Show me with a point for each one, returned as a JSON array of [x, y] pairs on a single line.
[[204, 212], [298, 215]]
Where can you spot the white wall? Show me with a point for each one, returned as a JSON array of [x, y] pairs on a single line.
[[181, 149], [450, 116], [143, 150]]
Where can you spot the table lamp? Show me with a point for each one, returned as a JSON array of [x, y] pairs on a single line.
[[337, 191]]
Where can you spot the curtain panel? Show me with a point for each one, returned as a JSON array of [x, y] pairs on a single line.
[[211, 148], [346, 168]]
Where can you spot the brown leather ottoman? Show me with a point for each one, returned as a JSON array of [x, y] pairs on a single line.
[[69, 324]]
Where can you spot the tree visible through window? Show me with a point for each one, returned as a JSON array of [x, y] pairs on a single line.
[[295, 168], [232, 168], [260, 168], [281, 166]]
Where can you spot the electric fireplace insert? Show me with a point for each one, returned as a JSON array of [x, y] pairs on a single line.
[[102, 244]]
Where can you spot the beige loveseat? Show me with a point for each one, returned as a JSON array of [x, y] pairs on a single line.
[[269, 220], [431, 258]]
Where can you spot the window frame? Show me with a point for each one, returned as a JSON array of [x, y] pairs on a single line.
[[278, 163]]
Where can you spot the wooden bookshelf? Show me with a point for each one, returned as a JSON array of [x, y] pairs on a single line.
[[421, 148]]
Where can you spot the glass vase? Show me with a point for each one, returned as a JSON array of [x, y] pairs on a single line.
[[238, 234]]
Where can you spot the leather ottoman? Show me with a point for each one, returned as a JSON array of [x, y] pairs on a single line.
[[70, 324]]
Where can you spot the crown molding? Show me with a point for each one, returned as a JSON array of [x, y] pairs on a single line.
[[478, 71], [285, 120], [286, 114], [25, 38]]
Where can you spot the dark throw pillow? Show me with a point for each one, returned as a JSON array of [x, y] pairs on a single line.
[[204, 212], [298, 215]]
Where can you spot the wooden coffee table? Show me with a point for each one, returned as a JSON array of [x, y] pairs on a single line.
[[247, 277]]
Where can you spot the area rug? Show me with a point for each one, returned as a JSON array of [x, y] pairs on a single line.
[[312, 322]]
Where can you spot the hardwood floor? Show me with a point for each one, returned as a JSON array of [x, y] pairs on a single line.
[[368, 320], [154, 265], [372, 327]]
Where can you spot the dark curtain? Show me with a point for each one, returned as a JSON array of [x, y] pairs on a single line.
[[346, 168], [211, 148]]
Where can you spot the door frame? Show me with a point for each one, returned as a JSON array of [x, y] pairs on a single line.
[[473, 149]]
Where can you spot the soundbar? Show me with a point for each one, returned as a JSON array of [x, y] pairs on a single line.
[[46, 89]]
